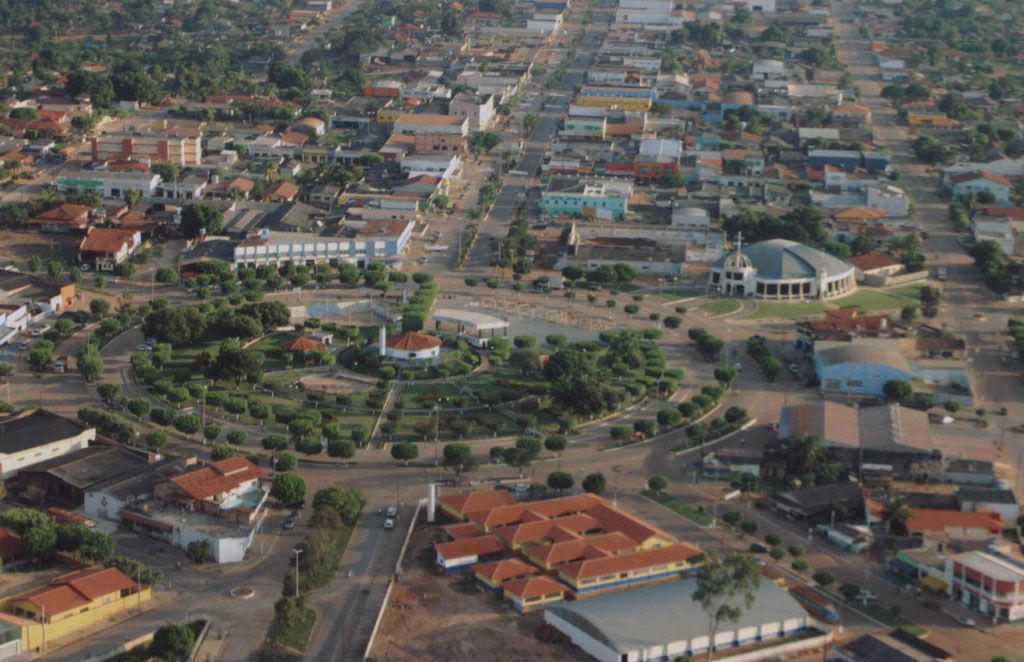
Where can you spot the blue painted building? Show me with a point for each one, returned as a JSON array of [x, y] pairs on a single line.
[[861, 367], [979, 181]]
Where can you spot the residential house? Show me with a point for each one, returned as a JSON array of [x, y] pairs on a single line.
[[62, 219], [222, 503], [280, 191], [875, 264], [109, 247], [70, 603], [854, 114]]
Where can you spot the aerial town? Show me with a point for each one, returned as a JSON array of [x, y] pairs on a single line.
[[512, 330]]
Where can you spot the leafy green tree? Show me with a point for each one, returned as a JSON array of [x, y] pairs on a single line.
[[199, 218], [897, 389], [173, 642], [560, 480], [342, 448], [657, 484], [285, 461], [288, 489], [156, 440], [725, 587], [594, 483], [237, 437], [404, 451], [139, 407], [459, 458], [39, 543], [823, 578], [347, 501]]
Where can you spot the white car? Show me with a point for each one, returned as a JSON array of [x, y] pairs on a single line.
[[389, 524], [966, 621], [84, 267], [738, 366], [392, 511], [143, 348]]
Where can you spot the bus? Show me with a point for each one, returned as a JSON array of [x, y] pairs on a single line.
[[814, 602]]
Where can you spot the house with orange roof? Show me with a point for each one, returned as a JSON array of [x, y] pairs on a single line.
[[280, 191], [852, 113], [875, 264], [63, 219], [108, 247], [490, 576], [221, 503], [302, 344], [70, 603], [531, 593], [413, 345]]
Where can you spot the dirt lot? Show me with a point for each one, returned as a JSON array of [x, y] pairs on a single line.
[[445, 617], [18, 247]]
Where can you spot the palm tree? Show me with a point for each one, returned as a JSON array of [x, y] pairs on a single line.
[[804, 452], [896, 516]]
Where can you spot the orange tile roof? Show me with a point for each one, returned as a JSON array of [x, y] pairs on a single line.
[[413, 341], [923, 519], [505, 569], [604, 544], [66, 213], [294, 137], [613, 519], [541, 529], [77, 589], [106, 240], [858, 212], [282, 189], [479, 500], [981, 174], [1004, 210], [469, 547], [429, 118], [534, 587], [462, 530], [302, 344], [871, 261], [513, 514], [623, 562], [217, 478], [852, 108]]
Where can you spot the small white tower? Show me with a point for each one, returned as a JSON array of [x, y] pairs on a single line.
[[382, 348]]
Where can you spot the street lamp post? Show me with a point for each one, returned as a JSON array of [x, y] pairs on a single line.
[[296, 551]]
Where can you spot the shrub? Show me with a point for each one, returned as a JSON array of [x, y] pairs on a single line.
[[777, 553], [749, 527], [800, 565], [773, 539], [823, 578], [796, 551]]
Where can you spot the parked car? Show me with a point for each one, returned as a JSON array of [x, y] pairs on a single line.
[[142, 347], [966, 621], [389, 524], [289, 523], [392, 511], [758, 548]]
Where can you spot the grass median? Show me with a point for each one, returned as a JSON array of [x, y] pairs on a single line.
[[695, 515]]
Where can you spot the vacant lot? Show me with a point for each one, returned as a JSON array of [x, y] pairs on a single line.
[[445, 617]]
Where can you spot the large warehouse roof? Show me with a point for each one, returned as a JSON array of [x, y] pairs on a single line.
[[782, 258], [476, 321], [873, 351], [655, 615]]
